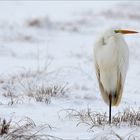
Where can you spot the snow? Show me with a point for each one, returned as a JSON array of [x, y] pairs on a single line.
[[60, 51]]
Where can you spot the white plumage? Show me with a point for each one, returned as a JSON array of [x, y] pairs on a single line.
[[111, 58]]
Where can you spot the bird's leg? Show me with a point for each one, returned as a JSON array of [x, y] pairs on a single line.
[[110, 102]]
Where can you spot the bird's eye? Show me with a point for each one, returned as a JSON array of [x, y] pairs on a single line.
[[116, 31]]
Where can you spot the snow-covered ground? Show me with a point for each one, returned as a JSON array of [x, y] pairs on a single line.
[[47, 44]]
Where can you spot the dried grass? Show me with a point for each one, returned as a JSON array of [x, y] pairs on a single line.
[[25, 129], [48, 23], [45, 93], [121, 15], [4, 127], [31, 85], [10, 94], [40, 22], [128, 117]]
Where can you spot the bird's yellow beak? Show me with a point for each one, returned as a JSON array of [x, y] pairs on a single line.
[[126, 31]]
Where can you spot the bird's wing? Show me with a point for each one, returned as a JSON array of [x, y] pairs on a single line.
[[103, 92], [119, 89], [117, 92], [121, 72]]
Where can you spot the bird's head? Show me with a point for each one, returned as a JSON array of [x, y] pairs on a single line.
[[115, 32]]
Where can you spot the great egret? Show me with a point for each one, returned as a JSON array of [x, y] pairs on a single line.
[[111, 56]]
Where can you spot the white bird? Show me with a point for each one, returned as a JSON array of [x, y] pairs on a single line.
[[111, 58]]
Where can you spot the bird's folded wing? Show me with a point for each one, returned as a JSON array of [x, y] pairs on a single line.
[[117, 92]]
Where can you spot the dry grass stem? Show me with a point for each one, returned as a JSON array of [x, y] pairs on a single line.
[[128, 117], [25, 129]]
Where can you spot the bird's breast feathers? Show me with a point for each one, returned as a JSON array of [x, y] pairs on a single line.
[[115, 53]]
